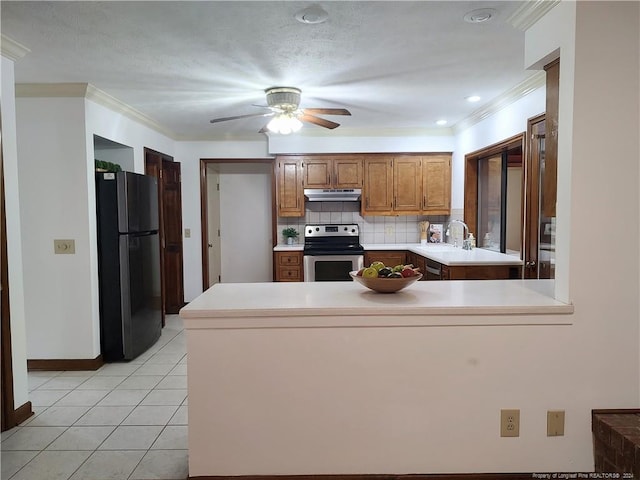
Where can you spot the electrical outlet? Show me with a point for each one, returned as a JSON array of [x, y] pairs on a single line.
[[187, 233], [64, 247], [555, 423], [510, 423], [388, 229]]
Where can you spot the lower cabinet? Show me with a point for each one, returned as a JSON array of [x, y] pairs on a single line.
[[288, 266], [479, 272], [419, 262], [389, 258]]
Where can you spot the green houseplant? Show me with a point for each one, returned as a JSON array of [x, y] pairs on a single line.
[[102, 166], [290, 234]]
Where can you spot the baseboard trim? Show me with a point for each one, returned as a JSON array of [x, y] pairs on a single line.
[[415, 476], [66, 364], [21, 413]]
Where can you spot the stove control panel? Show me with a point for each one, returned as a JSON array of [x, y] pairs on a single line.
[[350, 230]]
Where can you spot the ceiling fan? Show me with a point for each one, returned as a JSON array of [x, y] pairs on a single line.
[[288, 117]]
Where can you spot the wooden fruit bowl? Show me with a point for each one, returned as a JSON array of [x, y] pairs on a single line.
[[385, 285]]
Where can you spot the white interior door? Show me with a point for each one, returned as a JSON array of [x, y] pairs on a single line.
[[245, 219], [213, 223]]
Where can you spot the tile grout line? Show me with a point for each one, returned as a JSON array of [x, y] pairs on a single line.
[[175, 333]]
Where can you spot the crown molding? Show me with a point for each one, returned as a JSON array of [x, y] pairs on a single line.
[[530, 12], [89, 92], [12, 49], [98, 96], [512, 95]]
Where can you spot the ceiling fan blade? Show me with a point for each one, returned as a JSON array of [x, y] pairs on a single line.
[[236, 117], [327, 111], [318, 121]]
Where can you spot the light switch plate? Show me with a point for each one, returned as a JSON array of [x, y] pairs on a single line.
[[67, 246], [555, 423]]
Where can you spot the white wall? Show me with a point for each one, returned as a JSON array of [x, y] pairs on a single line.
[[189, 155], [339, 142], [57, 200], [120, 156], [14, 234], [510, 121], [245, 215], [55, 204]]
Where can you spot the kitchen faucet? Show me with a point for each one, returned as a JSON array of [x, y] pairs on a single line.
[[466, 243]]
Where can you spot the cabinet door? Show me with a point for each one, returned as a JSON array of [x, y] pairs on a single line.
[[290, 192], [347, 172], [407, 184], [419, 262], [389, 258], [436, 185], [378, 186], [317, 173], [288, 266]]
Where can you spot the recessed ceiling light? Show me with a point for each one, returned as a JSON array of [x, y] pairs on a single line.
[[473, 98], [312, 15], [441, 122], [480, 15]]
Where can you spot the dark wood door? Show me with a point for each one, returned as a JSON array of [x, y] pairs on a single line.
[[172, 238], [170, 207]]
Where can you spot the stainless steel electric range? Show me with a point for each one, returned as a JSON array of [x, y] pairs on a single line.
[[331, 252]]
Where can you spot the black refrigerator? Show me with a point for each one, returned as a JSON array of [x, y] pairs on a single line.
[[128, 264]]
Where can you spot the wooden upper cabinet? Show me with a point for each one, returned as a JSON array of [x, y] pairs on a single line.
[[436, 184], [290, 194], [377, 195], [407, 184], [347, 172], [317, 173], [333, 172], [549, 182]]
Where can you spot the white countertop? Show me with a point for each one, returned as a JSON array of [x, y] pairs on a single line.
[[324, 304], [296, 247], [442, 253]]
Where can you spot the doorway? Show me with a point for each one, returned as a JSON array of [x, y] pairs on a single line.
[[494, 195], [237, 226], [167, 172], [540, 228]]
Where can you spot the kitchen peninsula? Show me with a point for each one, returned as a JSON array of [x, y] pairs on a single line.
[[331, 378]]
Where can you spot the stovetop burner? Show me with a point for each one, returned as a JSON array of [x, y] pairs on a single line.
[[332, 240]]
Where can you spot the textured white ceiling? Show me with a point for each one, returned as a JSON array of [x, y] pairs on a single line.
[[394, 64]]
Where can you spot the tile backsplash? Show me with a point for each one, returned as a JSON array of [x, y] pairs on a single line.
[[383, 229]]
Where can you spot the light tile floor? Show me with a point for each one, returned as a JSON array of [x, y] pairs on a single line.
[[125, 421]]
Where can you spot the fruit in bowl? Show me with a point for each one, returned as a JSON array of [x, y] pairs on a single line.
[[382, 279]]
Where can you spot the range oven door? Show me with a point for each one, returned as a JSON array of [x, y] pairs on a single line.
[[331, 268]]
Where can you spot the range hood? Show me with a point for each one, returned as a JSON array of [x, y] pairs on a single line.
[[332, 195]]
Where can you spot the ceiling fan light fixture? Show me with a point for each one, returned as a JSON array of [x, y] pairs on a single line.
[[284, 124], [285, 98]]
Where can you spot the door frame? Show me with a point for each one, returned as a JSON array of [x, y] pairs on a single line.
[[204, 214], [6, 372], [535, 127], [149, 162], [471, 179]]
